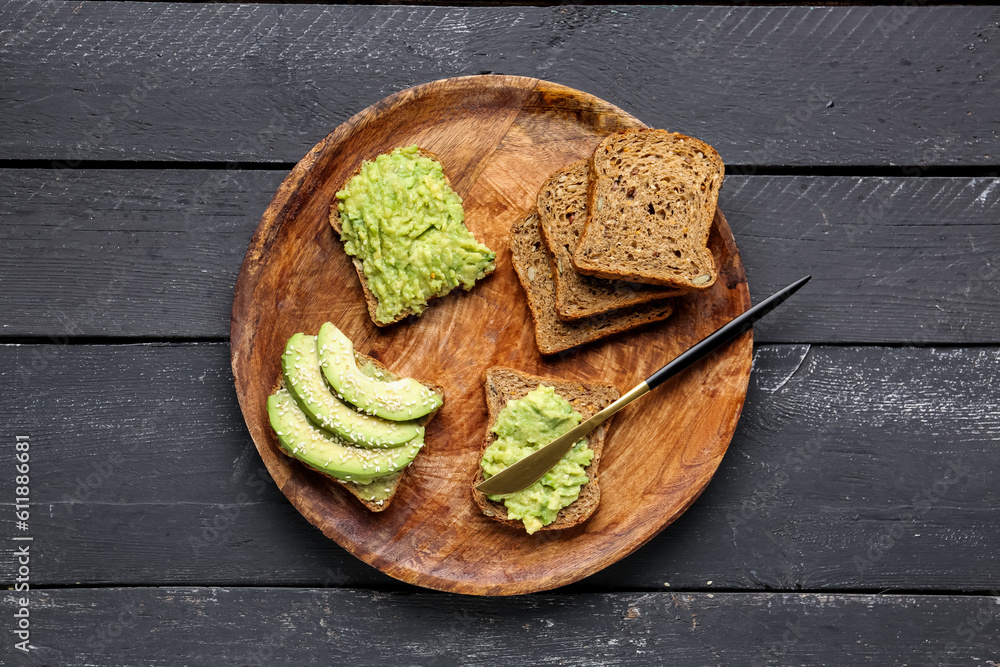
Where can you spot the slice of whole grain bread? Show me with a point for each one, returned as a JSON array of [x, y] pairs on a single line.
[[651, 199], [534, 270], [506, 384], [562, 209], [370, 299], [373, 368]]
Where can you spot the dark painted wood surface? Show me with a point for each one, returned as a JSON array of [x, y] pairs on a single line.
[[155, 253], [262, 83], [853, 519], [255, 626], [852, 468]]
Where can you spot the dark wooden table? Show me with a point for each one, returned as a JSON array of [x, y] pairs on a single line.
[[853, 521]]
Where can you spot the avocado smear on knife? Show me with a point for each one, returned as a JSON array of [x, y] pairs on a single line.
[[521, 428], [403, 221]]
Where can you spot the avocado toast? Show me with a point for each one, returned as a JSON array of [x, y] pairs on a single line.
[[364, 453], [504, 385], [404, 228]]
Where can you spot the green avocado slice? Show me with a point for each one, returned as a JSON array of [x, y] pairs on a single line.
[[328, 453], [303, 379], [398, 400]]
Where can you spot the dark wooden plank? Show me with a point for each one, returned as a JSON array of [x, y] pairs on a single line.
[[156, 253], [857, 468], [125, 253], [260, 626], [263, 83], [894, 260]]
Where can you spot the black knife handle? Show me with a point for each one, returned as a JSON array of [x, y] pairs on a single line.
[[723, 334]]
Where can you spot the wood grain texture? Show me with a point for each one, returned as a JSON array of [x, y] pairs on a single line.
[[841, 452], [254, 626], [498, 138], [261, 83], [155, 253]]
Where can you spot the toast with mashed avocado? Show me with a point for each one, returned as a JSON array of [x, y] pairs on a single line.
[[363, 453], [404, 228], [526, 412]]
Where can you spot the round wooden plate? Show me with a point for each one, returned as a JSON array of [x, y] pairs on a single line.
[[498, 137]]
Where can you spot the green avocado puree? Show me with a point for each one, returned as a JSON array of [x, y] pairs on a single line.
[[522, 427], [404, 222]]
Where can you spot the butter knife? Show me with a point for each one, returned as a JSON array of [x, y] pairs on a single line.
[[531, 468]]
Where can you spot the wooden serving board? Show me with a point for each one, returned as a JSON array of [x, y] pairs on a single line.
[[499, 138]]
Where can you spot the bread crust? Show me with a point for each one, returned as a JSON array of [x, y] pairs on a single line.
[[506, 384], [370, 299], [393, 480], [611, 229]]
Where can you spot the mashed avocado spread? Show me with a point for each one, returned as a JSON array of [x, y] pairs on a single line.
[[523, 426], [404, 222]]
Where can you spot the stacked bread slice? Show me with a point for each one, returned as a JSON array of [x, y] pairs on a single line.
[[613, 237], [562, 212], [652, 197]]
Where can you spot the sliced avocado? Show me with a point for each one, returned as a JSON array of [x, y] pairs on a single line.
[[300, 366], [397, 400], [328, 453]]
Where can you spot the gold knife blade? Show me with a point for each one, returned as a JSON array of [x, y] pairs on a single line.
[[533, 467]]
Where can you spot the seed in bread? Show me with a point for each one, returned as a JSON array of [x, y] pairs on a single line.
[[531, 262], [503, 385], [562, 209], [651, 200]]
